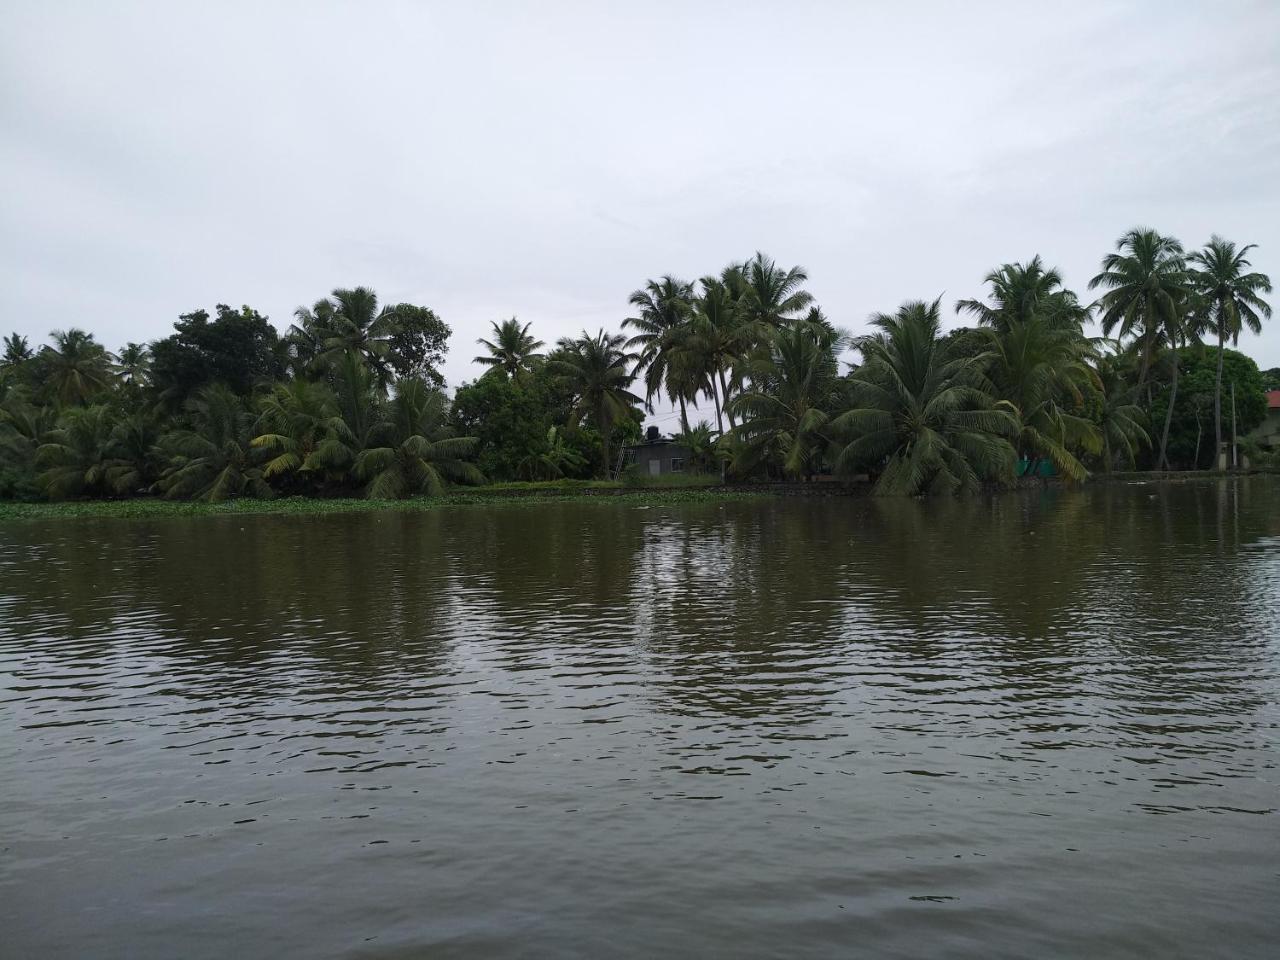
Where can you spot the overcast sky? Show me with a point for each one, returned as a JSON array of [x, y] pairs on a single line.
[[544, 159]]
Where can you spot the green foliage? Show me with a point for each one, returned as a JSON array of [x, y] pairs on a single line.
[[513, 350], [237, 348], [921, 417], [1191, 429], [419, 343], [73, 369], [597, 370]]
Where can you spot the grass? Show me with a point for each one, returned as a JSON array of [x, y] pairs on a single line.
[[308, 506]]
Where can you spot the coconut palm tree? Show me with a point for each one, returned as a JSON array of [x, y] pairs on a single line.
[[74, 367], [1022, 291], [1121, 422], [16, 354], [512, 349], [295, 418], [1040, 369], [786, 408], [213, 458], [134, 363], [598, 371], [349, 322], [415, 453], [1230, 294], [75, 458], [772, 296], [700, 441], [350, 430], [552, 461], [1144, 280], [920, 413], [135, 462], [718, 341], [663, 309]]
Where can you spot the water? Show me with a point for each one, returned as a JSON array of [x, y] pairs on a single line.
[[1039, 725]]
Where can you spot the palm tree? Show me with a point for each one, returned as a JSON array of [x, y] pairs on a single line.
[[1144, 281], [664, 307], [350, 430], [16, 354], [1231, 297], [416, 452], [134, 363], [1022, 291], [787, 407], [75, 458], [700, 441], [1181, 326], [213, 459], [718, 341], [598, 371], [1040, 369], [1121, 422], [295, 418], [74, 367], [349, 322], [772, 296], [552, 461], [920, 412], [512, 349], [135, 458]]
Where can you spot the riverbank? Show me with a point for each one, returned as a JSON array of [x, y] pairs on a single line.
[[142, 508]]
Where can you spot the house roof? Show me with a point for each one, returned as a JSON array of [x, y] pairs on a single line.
[[1273, 399]]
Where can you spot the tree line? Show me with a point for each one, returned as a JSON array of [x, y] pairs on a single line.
[[350, 399]]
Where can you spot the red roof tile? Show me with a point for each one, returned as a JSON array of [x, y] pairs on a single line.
[[1273, 399]]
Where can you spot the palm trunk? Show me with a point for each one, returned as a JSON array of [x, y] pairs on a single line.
[[715, 395], [602, 423], [724, 388], [684, 415], [1163, 461], [1107, 456], [1217, 400]]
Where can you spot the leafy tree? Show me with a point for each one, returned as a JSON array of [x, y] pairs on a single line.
[[513, 349], [597, 369], [554, 459], [1190, 418], [920, 416], [74, 368], [1145, 282], [1230, 295], [237, 348], [416, 451], [1271, 379], [787, 407], [419, 344]]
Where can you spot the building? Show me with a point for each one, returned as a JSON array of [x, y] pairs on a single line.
[[1267, 433], [656, 456]]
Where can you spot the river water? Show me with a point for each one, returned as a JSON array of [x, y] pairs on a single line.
[[1043, 724]]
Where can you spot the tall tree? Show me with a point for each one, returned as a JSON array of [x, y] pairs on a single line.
[[419, 343], [1022, 291], [773, 296], [350, 322], [134, 363], [793, 388], [512, 350], [238, 348], [1230, 294], [920, 415], [74, 367], [663, 308], [1145, 281], [598, 369], [718, 341]]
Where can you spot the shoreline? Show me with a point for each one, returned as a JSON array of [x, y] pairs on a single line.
[[141, 508]]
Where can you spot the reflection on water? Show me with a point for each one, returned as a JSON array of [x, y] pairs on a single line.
[[1042, 724]]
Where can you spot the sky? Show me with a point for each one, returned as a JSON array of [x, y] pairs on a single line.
[[543, 160]]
